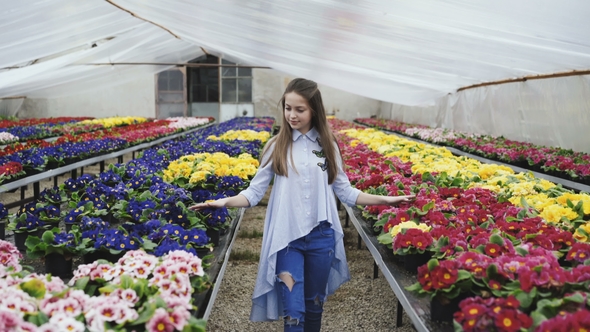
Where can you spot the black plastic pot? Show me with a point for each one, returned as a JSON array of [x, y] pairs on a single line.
[[213, 235], [202, 252], [58, 265], [21, 237], [443, 312], [69, 225], [94, 256], [413, 262]]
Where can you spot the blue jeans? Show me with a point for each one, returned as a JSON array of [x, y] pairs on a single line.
[[303, 268]]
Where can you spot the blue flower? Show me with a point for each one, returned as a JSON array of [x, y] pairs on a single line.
[[170, 245], [196, 236], [201, 195], [52, 211], [3, 211], [64, 238], [172, 230]]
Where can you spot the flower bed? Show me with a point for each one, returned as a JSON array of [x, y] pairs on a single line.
[[139, 291], [486, 236], [564, 163], [128, 208], [39, 155]]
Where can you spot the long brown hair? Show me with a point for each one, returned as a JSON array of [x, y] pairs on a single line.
[[284, 139]]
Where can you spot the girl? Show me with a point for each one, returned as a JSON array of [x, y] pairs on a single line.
[[302, 258]]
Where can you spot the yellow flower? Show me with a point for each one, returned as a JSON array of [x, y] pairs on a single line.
[[553, 213], [407, 225], [582, 237], [244, 135]]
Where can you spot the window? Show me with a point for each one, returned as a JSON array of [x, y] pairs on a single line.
[[236, 84], [204, 81]]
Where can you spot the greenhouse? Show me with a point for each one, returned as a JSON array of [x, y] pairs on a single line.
[[143, 185]]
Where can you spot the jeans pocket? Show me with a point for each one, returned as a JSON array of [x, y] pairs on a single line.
[[325, 229]]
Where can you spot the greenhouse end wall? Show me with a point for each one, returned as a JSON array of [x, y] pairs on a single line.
[[134, 98], [550, 112], [269, 85]]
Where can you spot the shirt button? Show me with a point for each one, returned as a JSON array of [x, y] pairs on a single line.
[[306, 181], [304, 150], [306, 196], [308, 213]]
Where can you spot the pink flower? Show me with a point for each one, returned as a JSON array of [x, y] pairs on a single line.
[[178, 317], [9, 320], [129, 296], [160, 322]]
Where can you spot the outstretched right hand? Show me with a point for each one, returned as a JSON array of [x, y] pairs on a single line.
[[215, 204]]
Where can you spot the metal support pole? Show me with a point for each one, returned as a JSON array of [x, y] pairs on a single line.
[[81, 170], [102, 166], [359, 242], [375, 270], [120, 159], [55, 180], [400, 311], [346, 220], [36, 190], [75, 173], [22, 195]]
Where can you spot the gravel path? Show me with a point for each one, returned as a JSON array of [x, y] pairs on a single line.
[[362, 304]]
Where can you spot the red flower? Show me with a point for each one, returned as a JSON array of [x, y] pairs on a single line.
[[507, 320], [424, 277], [443, 277], [579, 252], [493, 250], [495, 285], [473, 310]]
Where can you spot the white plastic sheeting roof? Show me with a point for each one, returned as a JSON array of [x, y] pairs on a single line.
[[406, 52]]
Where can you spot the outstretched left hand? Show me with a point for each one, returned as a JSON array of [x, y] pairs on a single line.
[[393, 200]]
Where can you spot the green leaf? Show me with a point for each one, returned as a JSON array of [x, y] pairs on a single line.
[[432, 264], [522, 251], [82, 282], [492, 271], [416, 287], [126, 281], [107, 289], [149, 245], [576, 297], [524, 298], [497, 239], [457, 182], [385, 238], [48, 237], [428, 206], [463, 274], [146, 314], [34, 287]]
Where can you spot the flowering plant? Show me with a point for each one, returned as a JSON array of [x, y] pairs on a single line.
[[444, 279], [548, 309], [139, 292], [492, 314], [578, 253], [54, 241], [412, 241]]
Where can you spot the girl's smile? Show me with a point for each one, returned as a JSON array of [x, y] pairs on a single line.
[[297, 112]]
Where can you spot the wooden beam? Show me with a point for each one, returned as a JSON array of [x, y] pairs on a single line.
[[527, 78]]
